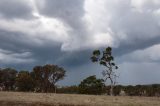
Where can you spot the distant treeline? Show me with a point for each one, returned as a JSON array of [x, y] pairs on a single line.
[[119, 90], [44, 79]]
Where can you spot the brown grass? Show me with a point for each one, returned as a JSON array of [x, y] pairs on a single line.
[[50, 99]]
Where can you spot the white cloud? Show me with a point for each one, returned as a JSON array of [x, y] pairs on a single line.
[[145, 5], [40, 30], [150, 54], [9, 57], [16, 9], [120, 17]]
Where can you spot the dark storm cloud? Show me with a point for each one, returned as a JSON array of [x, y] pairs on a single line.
[[126, 48], [12, 40], [15, 9], [74, 59], [16, 43]]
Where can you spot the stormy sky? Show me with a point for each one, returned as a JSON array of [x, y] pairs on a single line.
[[65, 32]]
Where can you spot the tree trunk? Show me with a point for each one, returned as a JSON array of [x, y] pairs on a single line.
[[111, 89]]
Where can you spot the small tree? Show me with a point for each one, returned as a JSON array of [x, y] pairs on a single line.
[[106, 59], [91, 85]]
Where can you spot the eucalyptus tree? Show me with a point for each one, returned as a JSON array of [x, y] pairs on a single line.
[[106, 59], [47, 76]]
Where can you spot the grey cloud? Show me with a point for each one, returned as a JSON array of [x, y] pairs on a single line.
[[72, 9], [18, 44], [79, 73], [74, 59], [139, 73], [126, 47], [10, 57], [150, 54], [71, 14], [125, 23], [15, 9]]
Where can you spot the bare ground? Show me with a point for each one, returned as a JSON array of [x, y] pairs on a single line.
[[51, 99]]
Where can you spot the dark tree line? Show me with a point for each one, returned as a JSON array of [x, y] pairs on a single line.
[[143, 90], [40, 79], [119, 90], [92, 85]]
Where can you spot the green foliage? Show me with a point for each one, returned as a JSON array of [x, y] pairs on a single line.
[[47, 76], [129, 90], [134, 90], [42, 78], [68, 90], [7, 78], [96, 54], [153, 90], [106, 59], [142, 90], [117, 89], [24, 81], [91, 85]]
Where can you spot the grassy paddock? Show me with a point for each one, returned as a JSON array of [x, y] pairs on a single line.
[[50, 99]]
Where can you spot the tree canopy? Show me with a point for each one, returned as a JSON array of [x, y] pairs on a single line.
[[47, 76], [24, 81], [91, 85], [7, 78]]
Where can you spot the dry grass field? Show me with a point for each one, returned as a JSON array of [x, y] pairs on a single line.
[[43, 99]]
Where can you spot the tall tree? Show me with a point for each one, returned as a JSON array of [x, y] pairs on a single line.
[[106, 59]]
